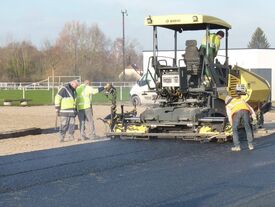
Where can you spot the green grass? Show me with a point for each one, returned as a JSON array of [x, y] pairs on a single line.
[[44, 97]]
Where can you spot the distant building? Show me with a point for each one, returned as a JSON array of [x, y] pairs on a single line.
[[259, 61], [132, 73]]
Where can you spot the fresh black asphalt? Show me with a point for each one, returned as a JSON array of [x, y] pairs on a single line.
[[141, 173]]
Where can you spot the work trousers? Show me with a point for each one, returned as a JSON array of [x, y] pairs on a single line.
[[245, 116], [85, 116], [209, 60], [66, 125]]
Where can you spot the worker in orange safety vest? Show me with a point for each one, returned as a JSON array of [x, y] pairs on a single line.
[[237, 109]]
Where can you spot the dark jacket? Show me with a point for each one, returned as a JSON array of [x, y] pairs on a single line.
[[65, 101]]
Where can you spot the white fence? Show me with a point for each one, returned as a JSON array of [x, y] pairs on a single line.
[[48, 84], [45, 84]]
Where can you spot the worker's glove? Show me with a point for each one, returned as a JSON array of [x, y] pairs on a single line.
[[108, 86]]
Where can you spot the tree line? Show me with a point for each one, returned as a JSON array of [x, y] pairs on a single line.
[[78, 50]]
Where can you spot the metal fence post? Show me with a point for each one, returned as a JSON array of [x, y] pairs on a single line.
[[120, 93], [24, 93]]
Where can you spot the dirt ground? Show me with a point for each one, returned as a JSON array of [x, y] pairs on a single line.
[[15, 118]]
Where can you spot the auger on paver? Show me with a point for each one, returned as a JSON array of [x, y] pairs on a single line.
[[117, 121]]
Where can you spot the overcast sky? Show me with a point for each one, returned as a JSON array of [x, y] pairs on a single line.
[[38, 20]]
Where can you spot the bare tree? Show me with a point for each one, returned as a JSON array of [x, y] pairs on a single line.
[[85, 50], [51, 57], [21, 60], [69, 42], [132, 53], [98, 55], [78, 50]]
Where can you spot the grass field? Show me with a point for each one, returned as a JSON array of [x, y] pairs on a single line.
[[44, 97]]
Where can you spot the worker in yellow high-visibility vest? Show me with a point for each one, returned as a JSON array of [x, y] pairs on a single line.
[[65, 107], [214, 42], [84, 107], [238, 109]]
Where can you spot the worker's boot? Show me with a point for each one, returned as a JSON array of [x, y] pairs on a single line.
[[84, 137], [236, 149], [250, 147]]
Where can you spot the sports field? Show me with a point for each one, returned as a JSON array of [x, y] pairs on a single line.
[[44, 97]]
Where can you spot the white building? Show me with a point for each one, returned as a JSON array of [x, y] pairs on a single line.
[[260, 61]]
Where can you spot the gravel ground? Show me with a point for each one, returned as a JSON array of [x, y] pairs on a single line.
[[15, 118]]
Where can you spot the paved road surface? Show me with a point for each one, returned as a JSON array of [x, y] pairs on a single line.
[[140, 173]]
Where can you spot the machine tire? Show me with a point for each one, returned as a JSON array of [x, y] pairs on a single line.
[[135, 100]]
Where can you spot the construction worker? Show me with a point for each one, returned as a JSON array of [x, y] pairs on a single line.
[[65, 106], [85, 110], [238, 109], [214, 41]]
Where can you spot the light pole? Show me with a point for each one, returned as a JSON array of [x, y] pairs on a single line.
[[123, 12], [53, 85]]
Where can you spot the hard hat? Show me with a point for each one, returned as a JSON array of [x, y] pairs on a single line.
[[241, 88], [228, 99]]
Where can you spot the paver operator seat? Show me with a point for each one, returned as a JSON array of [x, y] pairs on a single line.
[[192, 57]]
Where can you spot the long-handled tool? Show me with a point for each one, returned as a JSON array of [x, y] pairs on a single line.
[[93, 122], [56, 119]]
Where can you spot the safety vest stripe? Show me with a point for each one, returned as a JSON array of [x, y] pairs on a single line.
[[68, 92], [67, 111]]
